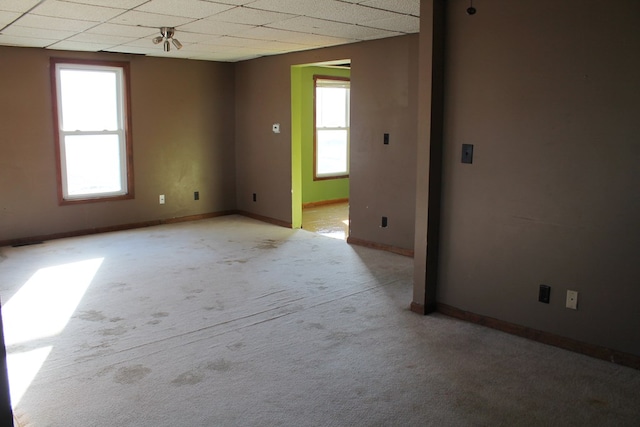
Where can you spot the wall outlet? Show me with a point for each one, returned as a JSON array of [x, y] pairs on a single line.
[[467, 153], [384, 222], [196, 195], [161, 199], [255, 198], [386, 139], [544, 294], [572, 300]]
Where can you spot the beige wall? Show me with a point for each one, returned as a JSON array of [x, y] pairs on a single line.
[[383, 100], [549, 94], [183, 141]]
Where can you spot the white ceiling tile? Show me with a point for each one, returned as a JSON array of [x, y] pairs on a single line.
[[79, 46], [61, 9], [120, 4], [331, 28], [233, 42], [131, 49], [144, 42], [264, 33], [36, 21], [206, 26], [110, 40], [123, 30], [188, 8], [245, 15], [276, 46], [236, 44], [403, 23], [135, 17], [409, 7], [234, 2], [7, 17], [324, 9], [227, 30], [23, 41], [20, 6], [187, 37], [37, 33]]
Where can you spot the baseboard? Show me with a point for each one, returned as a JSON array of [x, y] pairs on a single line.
[[380, 246], [417, 308], [39, 239], [265, 219], [596, 351], [324, 202]]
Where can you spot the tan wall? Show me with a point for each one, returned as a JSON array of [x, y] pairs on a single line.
[[383, 100], [549, 93], [183, 141]]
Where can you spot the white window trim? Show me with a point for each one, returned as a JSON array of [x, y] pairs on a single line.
[[327, 81]]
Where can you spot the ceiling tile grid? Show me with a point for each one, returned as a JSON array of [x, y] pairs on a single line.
[[214, 30]]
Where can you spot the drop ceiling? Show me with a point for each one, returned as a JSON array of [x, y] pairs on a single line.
[[220, 30]]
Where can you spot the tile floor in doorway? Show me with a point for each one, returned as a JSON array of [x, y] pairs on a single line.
[[329, 220]]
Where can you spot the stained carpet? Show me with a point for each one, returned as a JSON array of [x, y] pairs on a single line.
[[233, 322]]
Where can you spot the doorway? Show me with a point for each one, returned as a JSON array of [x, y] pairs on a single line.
[[319, 204]]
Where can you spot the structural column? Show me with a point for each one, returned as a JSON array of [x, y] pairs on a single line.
[[429, 155]]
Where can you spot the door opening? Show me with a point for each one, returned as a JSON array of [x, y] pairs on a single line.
[[320, 147]]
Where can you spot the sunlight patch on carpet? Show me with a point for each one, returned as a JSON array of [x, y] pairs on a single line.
[[41, 309]]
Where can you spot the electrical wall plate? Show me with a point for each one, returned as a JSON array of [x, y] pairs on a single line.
[[467, 153], [544, 294], [572, 299], [276, 128]]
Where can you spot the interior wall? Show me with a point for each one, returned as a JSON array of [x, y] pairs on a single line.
[[326, 189], [183, 141], [548, 92], [383, 97]]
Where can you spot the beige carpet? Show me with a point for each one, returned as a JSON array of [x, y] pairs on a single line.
[[233, 322]]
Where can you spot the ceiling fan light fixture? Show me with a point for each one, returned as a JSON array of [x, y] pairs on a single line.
[[166, 38]]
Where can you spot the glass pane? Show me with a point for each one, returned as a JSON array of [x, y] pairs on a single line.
[[332, 152], [93, 164], [89, 100], [331, 107]]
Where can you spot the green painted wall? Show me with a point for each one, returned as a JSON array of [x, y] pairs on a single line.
[[314, 191], [296, 146]]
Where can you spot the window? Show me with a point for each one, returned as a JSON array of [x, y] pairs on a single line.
[[331, 127], [93, 141]]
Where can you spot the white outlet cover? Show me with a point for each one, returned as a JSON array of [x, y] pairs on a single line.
[[276, 128], [572, 299]]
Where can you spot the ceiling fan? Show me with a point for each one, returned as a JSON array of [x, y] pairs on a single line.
[[166, 37]]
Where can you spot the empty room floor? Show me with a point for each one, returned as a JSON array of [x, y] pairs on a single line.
[[234, 322], [330, 220]]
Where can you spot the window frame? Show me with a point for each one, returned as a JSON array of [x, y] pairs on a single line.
[[59, 133], [340, 175]]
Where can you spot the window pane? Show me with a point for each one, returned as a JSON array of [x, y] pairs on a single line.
[[332, 152], [89, 100], [331, 107], [93, 164]]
